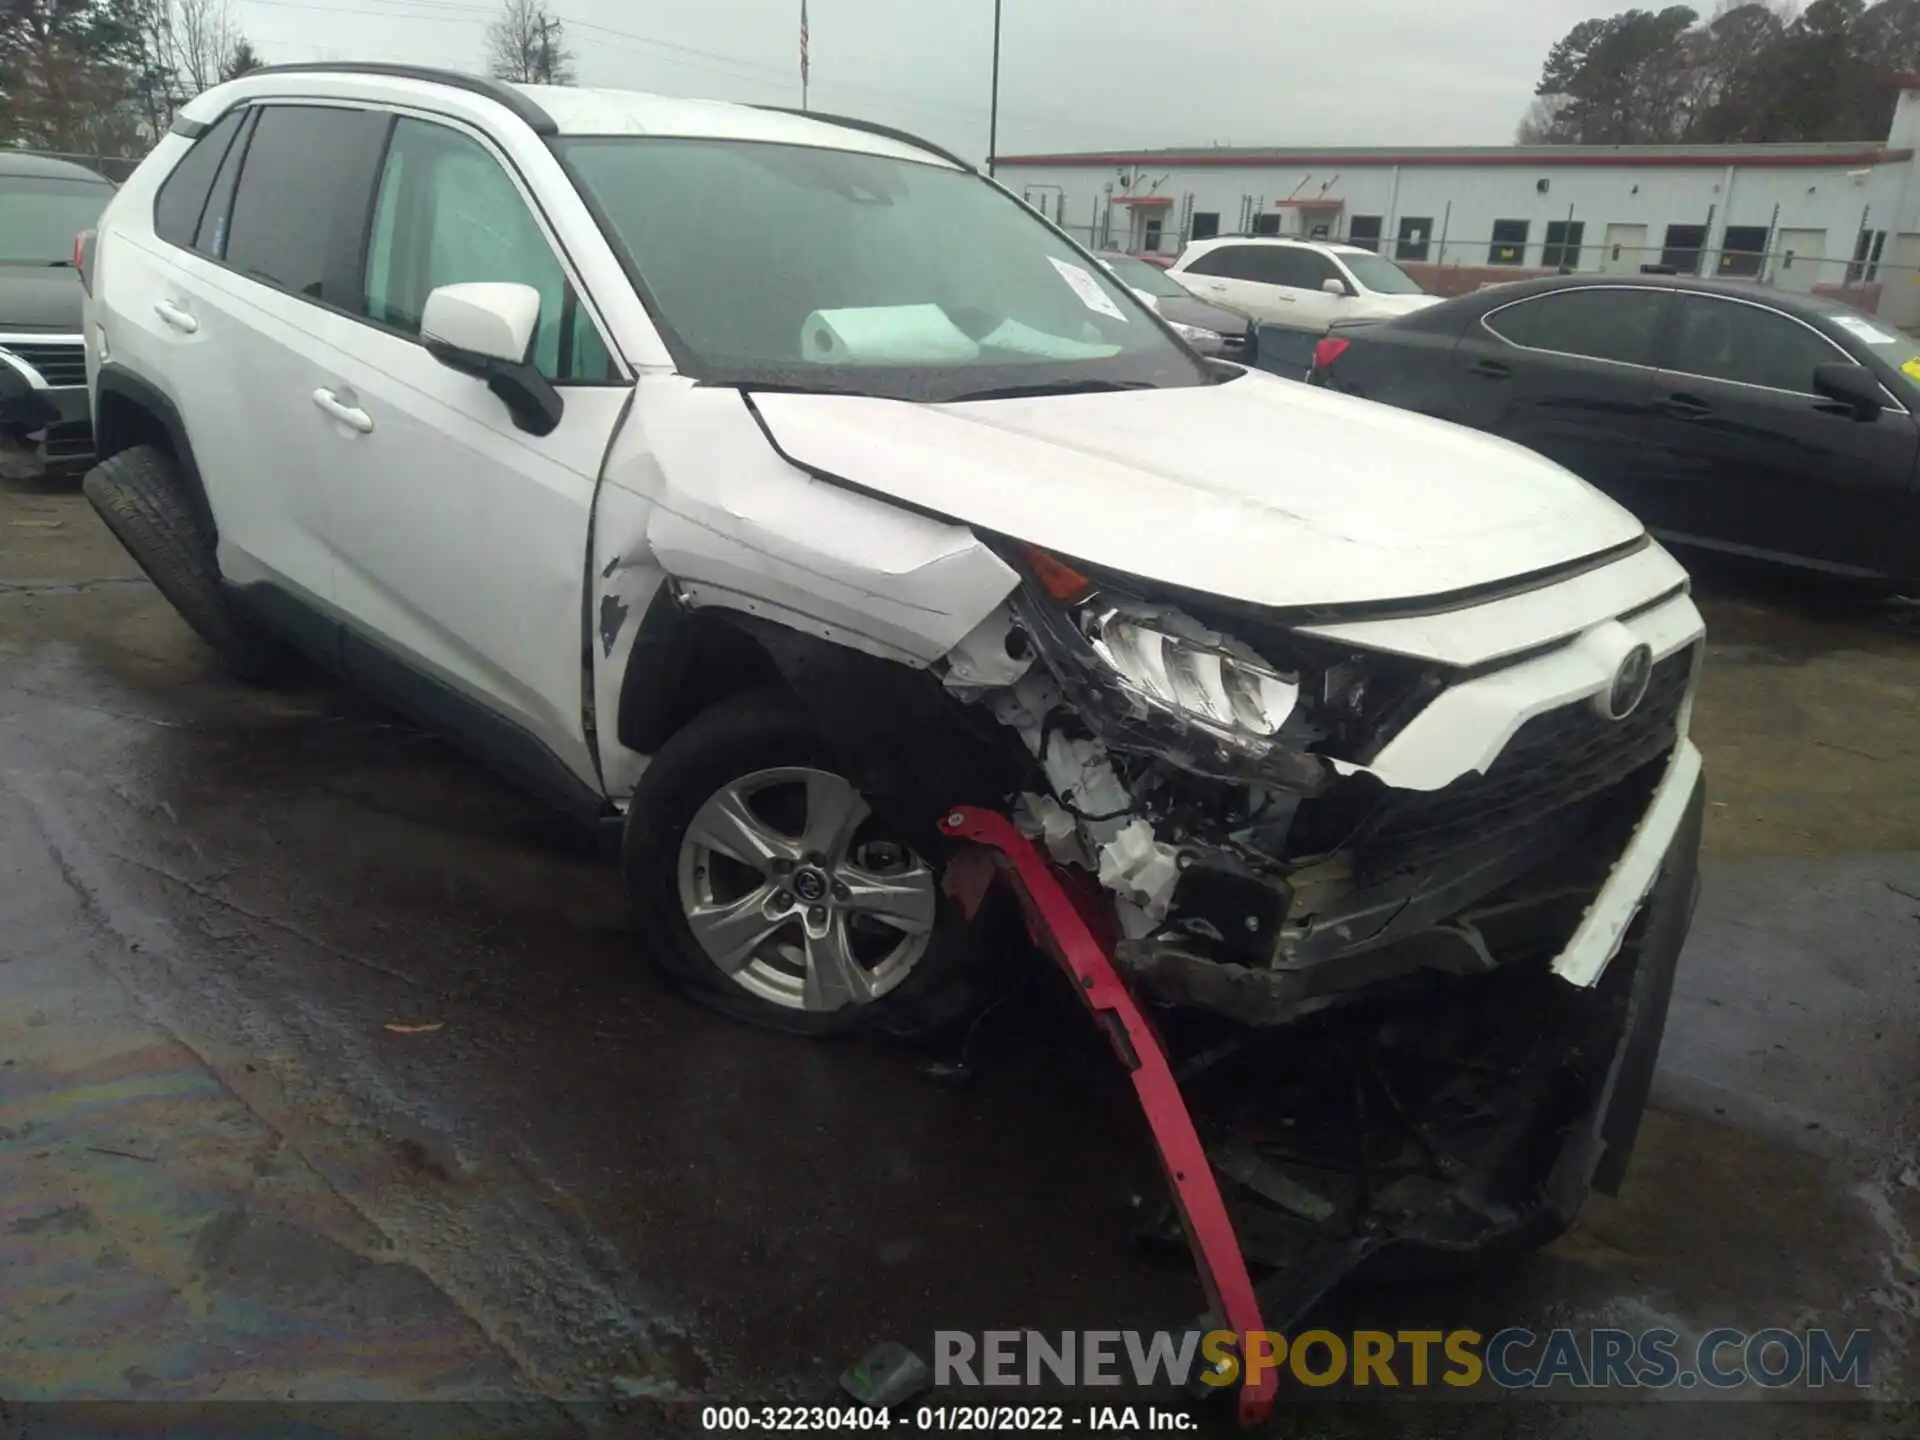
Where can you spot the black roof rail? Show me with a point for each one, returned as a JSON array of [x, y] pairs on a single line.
[[872, 127], [542, 123]]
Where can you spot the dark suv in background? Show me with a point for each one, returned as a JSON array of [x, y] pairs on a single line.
[[44, 204]]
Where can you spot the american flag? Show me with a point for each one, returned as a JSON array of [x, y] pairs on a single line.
[[803, 42]]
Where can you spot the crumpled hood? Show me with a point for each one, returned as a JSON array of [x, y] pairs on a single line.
[[1261, 489]]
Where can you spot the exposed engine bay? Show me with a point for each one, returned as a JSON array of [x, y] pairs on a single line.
[[1218, 787]]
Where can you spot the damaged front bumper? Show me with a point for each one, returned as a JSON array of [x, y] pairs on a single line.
[[1414, 971], [1338, 821], [1447, 1125]]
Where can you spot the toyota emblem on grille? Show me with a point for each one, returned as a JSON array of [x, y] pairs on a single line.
[[1629, 686]]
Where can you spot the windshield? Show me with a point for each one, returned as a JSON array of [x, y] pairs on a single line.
[[1381, 275], [1900, 351], [1145, 277], [40, 215], [802, 268]]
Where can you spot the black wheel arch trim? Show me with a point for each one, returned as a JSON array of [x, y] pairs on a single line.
[[500, 743], [117, 382]]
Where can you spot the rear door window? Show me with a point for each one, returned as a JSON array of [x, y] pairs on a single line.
[[1229, 262], [302, 195], [183, 194], [1597, 324], [1294, 267]]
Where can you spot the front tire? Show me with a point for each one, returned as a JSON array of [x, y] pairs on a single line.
[[139, 495], [765, 887]]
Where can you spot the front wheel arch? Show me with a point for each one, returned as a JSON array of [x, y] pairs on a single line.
[[129, 411]]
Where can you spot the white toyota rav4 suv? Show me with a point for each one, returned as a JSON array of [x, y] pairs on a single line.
[[770, 484]]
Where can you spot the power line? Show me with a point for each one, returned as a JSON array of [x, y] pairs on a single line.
[[452, 11]]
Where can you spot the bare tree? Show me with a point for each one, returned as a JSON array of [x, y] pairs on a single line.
[[527, 45]]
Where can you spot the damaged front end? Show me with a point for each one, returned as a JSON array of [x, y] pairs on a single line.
[[1411, 1000], [1220, 786]]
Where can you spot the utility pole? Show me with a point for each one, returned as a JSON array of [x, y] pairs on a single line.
[[993, 106]]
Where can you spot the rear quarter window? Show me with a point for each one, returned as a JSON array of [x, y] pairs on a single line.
[[183, 194]]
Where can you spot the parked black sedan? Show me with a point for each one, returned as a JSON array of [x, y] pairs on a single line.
[[1725, 416]]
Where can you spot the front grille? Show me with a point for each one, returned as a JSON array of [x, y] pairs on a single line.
[[60, 363], [1553, 761]]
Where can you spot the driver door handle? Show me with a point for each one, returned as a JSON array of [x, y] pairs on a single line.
[[1492, 369], [173, 315], [349, 415]]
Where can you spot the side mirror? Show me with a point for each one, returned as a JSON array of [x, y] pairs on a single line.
[[1852, 386], [485, 329], [1334, 286]]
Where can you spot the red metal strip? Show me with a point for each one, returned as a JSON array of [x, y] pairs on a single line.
[[1062, 928]]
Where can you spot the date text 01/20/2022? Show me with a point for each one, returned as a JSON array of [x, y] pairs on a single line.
[[942, 1419]]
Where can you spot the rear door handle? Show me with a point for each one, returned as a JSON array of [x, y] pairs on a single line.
[[1492, 370], [1685, 407], [173, 315], [351, 415]]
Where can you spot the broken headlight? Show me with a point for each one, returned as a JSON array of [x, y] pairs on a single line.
[[1239, 700], [1151, 680]]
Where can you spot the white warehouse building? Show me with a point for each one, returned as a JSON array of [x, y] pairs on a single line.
[[1841, 217]]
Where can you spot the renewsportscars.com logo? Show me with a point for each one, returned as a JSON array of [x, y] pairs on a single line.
[[1512, 1359]]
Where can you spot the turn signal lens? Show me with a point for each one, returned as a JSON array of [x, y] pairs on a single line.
[[1056, 577]]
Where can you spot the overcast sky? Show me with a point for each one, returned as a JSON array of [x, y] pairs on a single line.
[[1075, 74]]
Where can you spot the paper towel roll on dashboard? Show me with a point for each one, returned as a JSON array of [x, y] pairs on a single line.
[[884, 334]]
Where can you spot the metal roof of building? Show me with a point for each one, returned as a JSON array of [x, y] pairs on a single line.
[[1826, 153]]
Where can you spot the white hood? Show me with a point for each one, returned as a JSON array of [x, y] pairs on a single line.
[[1399, 304], [1261, 489]]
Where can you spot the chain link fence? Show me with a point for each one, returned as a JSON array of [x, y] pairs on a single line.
[[114, 167]]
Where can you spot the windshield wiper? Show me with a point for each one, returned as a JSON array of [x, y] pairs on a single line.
[[783, 387], [1056, 387]]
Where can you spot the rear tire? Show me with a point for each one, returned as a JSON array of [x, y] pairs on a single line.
[[138, 493], [762, 739]]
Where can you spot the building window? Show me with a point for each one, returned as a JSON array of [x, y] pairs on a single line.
[[1743, 250], [1414, 235], [1562, 249], [1681, 255], [1150, 235], [1266, 224], [1509, 243], [1866, 257], [1364, 231], [1206, 224]]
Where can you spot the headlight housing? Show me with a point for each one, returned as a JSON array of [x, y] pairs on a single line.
[[1175, 681], [1235, 697], [1152, 681], [1196, 334]]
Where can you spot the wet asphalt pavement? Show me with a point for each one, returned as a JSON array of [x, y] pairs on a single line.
[[327, 1071]]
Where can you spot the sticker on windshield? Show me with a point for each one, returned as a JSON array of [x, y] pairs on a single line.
[[1087, 288], [1867, 331], [1912, 368]]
